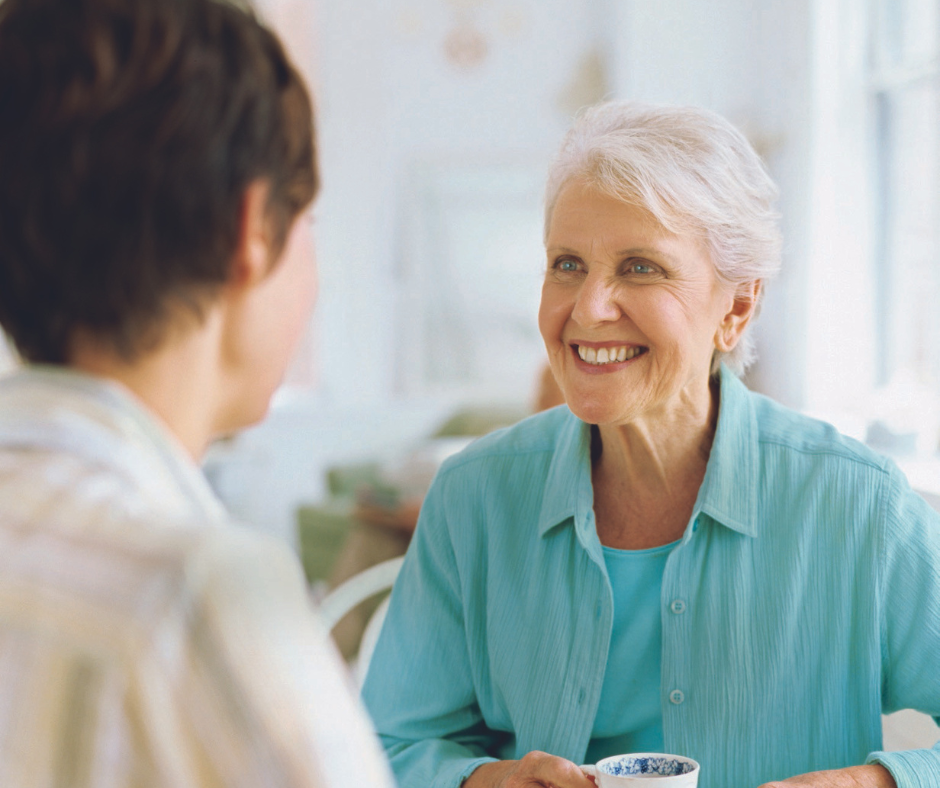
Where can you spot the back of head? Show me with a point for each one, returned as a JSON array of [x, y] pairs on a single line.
[[130, 133], [693, 171]]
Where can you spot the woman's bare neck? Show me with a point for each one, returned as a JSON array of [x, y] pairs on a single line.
[[647, 474]]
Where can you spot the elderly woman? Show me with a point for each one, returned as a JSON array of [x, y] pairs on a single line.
[[156, 270], [669, 563]]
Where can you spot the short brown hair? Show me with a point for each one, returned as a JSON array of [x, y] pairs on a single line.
[[130, 130]]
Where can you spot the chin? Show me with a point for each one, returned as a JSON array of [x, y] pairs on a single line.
[[596, 412], [247, 415], [257, 414]]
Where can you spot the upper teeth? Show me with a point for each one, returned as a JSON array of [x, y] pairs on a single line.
[[607, 355]]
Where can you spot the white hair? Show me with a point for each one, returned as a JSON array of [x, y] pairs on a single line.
[[694, 172]]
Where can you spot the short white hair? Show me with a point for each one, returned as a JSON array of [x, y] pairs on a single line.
[[694, 172]]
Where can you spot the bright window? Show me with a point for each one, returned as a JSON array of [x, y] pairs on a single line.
[[905, 84], [904, 96]]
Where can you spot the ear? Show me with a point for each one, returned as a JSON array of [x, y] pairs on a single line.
[[736, 319], [251, 260]]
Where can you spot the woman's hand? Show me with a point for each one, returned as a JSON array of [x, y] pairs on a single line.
[[535, 770], [873, 776]]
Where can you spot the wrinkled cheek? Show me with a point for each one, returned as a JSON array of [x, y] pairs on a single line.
[[551, 320]]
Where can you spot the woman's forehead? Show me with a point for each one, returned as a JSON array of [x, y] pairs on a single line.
[[585, 215]]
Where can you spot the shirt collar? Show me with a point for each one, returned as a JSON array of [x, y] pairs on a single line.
[[63, 410], [568, 490], [729, 490]]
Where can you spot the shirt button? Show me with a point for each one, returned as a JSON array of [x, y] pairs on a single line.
[[677, 696], [677, 606]]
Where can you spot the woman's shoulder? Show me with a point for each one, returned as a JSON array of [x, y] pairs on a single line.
[[792, 430]]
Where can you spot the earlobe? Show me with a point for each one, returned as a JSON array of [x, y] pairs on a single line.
[[743, 308]]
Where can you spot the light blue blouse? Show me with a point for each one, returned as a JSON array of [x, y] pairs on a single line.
[[802, 602], [629, 716]]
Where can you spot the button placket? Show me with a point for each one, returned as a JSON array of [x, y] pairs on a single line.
[[677, 652]]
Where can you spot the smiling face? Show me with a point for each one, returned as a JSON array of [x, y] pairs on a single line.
[[630, 312]]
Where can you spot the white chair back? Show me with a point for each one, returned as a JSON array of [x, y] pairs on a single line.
[[347, 595]]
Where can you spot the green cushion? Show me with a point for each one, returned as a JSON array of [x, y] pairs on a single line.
[[343, 480], [471, 422], [321, 533]]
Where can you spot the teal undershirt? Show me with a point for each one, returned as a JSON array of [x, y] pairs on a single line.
[[629, 717]]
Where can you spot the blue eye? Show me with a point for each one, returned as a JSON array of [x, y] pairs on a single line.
[[641, 268], [567, 265]]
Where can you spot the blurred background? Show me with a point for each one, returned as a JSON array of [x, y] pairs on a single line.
[[437, 120]]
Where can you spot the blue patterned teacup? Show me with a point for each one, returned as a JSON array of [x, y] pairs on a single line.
[[646, 769]]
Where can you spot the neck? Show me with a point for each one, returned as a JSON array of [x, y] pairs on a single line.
[[177, 382], [647, 473]]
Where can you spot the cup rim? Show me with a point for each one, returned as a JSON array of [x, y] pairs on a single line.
[[685, 759]]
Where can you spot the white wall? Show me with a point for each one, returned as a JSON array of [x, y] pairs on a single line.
[[686, 52], [389, 100], [753, 64]]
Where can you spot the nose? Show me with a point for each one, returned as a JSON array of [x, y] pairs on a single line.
[[596, 302]]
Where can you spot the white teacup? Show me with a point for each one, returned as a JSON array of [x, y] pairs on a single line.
[[645, 770]]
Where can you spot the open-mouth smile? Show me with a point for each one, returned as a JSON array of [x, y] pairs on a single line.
[[606, 356]]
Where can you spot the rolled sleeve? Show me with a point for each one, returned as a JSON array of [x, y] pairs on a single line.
[[911, 768]]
